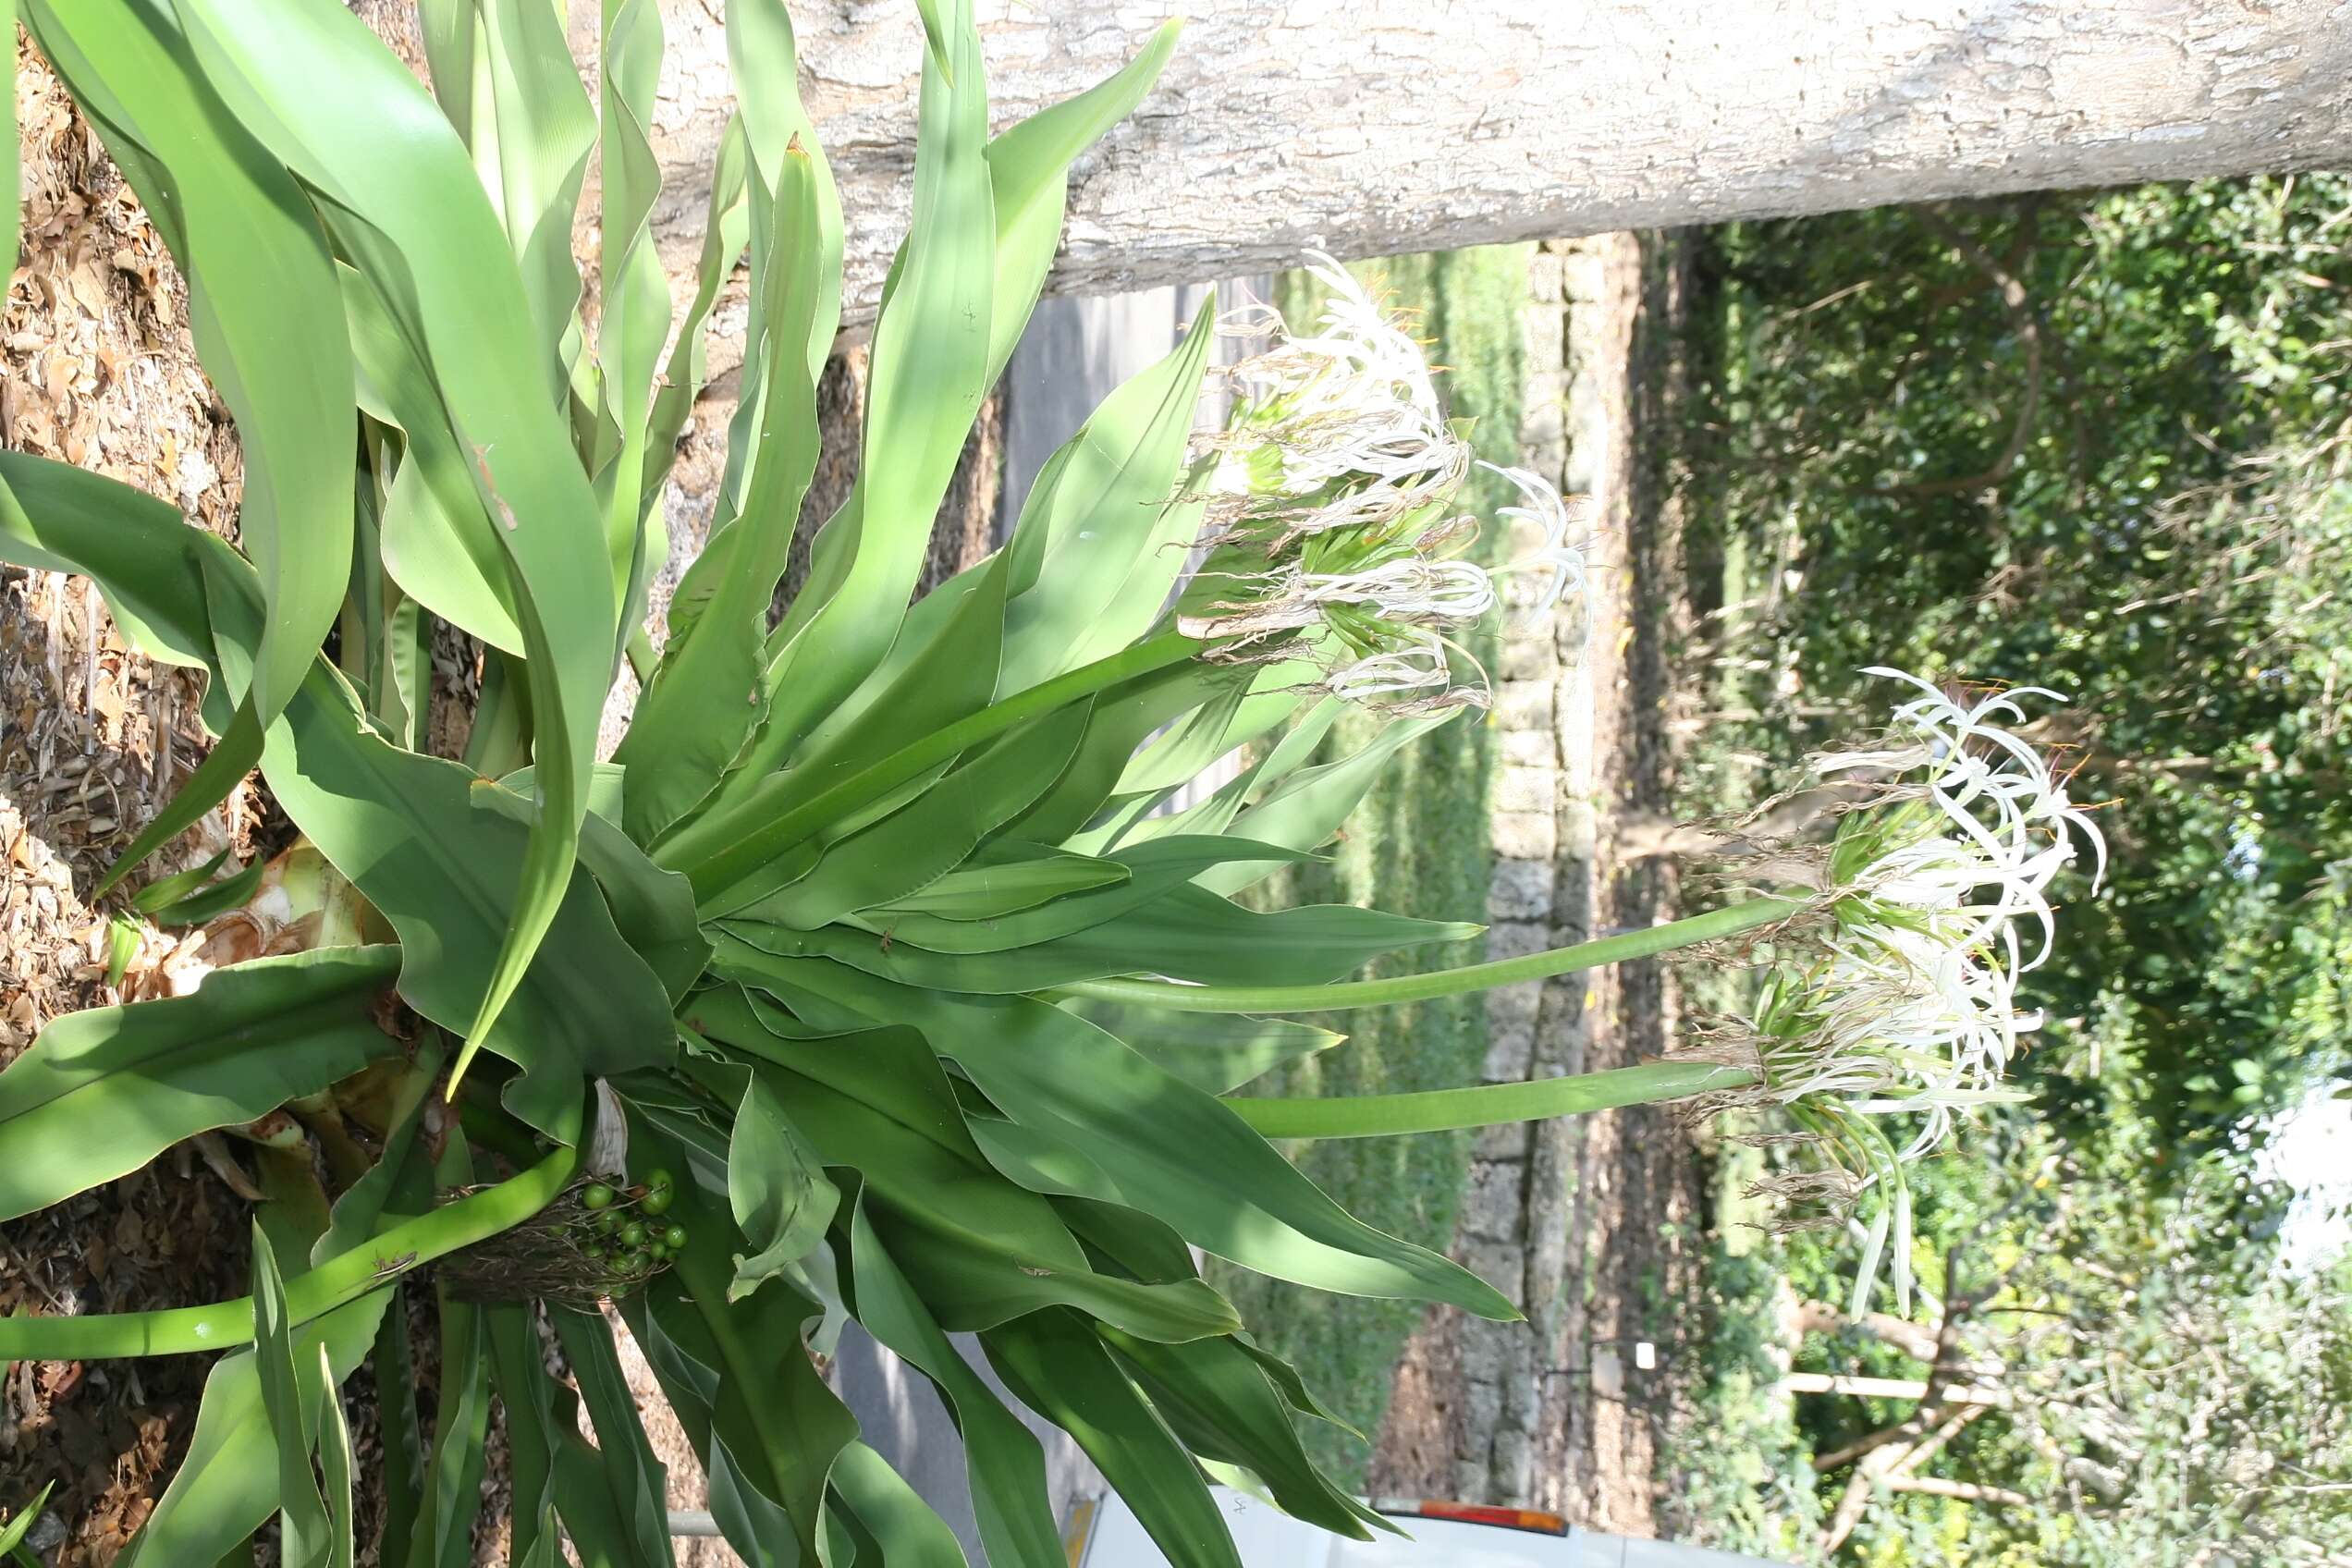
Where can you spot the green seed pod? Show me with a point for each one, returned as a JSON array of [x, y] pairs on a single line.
[[675, 1238], [633, 1235], [597, 1196], [658, 1200], [606, 1221], [630, 1263]]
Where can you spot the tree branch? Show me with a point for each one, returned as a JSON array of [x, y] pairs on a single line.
[[2002, 274], [1967, 1491]]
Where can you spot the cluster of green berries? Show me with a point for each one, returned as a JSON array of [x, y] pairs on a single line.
[[626, 1233]]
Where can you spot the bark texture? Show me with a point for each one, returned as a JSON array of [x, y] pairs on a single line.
[[1382, 127]]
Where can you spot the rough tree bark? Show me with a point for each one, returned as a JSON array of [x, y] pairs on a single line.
[[1381, 126]]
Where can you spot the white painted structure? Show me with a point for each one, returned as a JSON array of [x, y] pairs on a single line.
[[1103, 1533]]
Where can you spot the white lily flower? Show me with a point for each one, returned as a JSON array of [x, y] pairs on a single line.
[[1910, 1007]]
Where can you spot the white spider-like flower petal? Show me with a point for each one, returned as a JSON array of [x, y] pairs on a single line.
[[1408, 588], [1912, 1007], [1419, 665], [1548, 511]]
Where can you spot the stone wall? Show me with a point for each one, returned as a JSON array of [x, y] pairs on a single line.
[[1544, 892]]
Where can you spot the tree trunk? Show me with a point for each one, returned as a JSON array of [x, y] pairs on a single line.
[[1381, 127]]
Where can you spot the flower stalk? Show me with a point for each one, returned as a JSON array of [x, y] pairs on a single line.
[[1486, 1105], [1734, 920], [336, 1283]]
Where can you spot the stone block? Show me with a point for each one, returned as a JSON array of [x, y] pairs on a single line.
[[1529, 748], [1526, 788], [1492, 1209], [1579, 826], [1500, 1264], [1526, 658], [1524, 704], [1583, 278], [1516, 938], [1543, 277], [1513, 1004], [1519, 890], [1510, 1048], [1546, 330], [1549, 459], [1542, 423], [1508, 1141], [1514, 1463], [1529, 835]]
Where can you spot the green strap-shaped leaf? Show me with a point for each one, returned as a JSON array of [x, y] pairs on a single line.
[[21, 1523], [909, 1533], [1224, 1407], [101, 1092], [150, 565], [765, 62], [653, 909], [441, 865], [345, 115], [1028, 178], [946, 676], [1215, 1052], [461, 1426], [1304, 810], [1057, 1367], [265, 309], [1171, 1150], [293, 1416], [635, 1478], [1216, 813], [782, 1200], [978, 1248], [1004, 877], [929, 371], [608, 1501], [1187, 934], [921, 840], [518, 1378], [451, 33], [726, 226], [401, 1460], [438, 541], [1102, 536], [740, 1376], [1029, 173], [228, 1483], [1006, 1465], [1154, 869], [708, 697], [540, 130], [1123, 716], [635, 296]]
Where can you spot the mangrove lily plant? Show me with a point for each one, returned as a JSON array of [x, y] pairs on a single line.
[[868, 979]]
